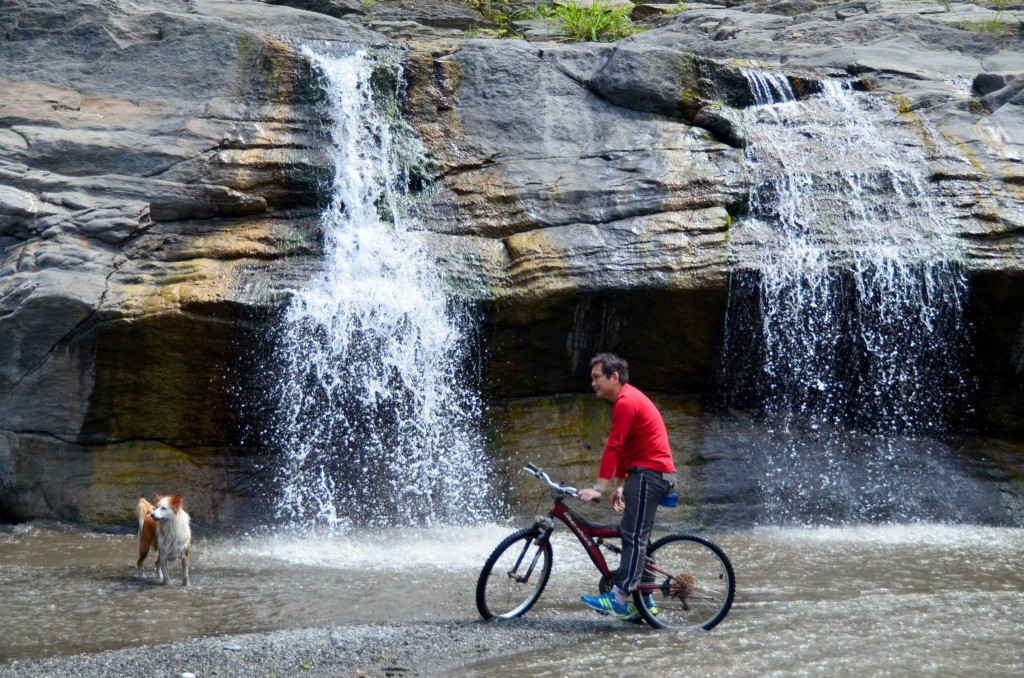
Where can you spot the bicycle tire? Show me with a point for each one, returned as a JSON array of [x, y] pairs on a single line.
[[690, 580], [499, 593]]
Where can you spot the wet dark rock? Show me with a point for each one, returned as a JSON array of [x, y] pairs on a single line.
[[659, 79], [1011, 95], [852, 9], [986, 83], [790, 8], [724, 122], [334, 8]]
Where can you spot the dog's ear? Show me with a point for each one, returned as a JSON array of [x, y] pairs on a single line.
[[176, 502], [157, 498]]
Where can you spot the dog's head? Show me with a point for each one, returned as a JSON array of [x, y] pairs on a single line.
[[166, 507]]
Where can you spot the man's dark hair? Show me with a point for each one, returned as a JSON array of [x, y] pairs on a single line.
[[610, 364]]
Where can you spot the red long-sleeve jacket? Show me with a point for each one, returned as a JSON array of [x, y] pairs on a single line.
[[637, 437]]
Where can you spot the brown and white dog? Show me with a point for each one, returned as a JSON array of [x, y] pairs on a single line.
[[164, 528]]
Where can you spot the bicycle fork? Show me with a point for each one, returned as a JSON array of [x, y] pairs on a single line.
[[548, 526]]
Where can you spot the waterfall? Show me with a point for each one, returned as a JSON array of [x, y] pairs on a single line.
[[846, 329], [378, 409]]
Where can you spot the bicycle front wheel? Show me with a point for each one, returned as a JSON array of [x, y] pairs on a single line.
[[688, 581], [514, 575]]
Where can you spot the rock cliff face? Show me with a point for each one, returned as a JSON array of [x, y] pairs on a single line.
[[157, 165], [161, 172]]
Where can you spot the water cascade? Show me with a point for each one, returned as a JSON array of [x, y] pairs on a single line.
[[378, 417], [846, 330]]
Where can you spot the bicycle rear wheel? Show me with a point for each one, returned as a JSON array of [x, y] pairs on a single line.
[[690, 582], [514, 575]]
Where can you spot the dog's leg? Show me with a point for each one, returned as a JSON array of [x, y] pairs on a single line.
[[147, 535], [161, 569], [184, 570]]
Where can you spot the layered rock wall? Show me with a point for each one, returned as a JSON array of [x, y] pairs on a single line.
[[614, 177], [161, 170]]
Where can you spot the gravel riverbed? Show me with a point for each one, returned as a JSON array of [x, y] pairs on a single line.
[[408, 649]]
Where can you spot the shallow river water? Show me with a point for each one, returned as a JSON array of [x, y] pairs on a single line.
[[892, 600]]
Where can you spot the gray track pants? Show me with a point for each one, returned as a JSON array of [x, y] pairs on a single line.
[[641, 493]]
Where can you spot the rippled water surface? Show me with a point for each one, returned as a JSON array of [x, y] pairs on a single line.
[[896, 601], [899, 600]]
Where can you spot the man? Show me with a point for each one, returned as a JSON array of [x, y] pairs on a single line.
[[637, 464]]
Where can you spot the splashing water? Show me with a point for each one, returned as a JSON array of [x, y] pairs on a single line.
[[378, 417], [849, 321]]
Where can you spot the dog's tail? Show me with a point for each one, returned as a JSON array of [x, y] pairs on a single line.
[[145, 508]]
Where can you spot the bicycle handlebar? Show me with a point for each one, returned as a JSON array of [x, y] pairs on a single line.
[[561, 489]]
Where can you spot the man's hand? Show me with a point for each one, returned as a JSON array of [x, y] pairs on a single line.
[[617, 502], [588, 494]]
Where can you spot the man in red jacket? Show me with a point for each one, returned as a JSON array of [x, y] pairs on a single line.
[[637, 464]]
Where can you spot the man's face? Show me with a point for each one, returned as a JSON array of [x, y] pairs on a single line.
[[604, 387]]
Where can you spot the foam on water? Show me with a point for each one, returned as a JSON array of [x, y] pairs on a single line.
[[396, 549], [448, 548], [909, 534]]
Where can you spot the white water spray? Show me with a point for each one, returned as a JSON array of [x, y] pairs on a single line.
[[378, 419], [848, 330]]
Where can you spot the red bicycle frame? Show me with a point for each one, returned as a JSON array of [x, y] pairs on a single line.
[[693, 576], [590, 534]]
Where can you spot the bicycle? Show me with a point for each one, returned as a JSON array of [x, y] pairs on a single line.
[[687, 582]]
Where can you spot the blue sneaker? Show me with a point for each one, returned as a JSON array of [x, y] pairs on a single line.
[[633, 615], [606, 604]]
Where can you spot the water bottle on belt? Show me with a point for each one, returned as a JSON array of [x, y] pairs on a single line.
[[669, 499]]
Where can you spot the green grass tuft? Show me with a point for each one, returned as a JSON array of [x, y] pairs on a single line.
[[596, 23]]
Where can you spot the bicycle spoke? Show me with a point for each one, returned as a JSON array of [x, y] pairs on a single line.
[[688, 581], [511, 581]]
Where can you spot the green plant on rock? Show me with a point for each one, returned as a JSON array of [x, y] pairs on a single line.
[[997, 25], [594, 23], [499, 33], [977, 108], [500, 12]]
